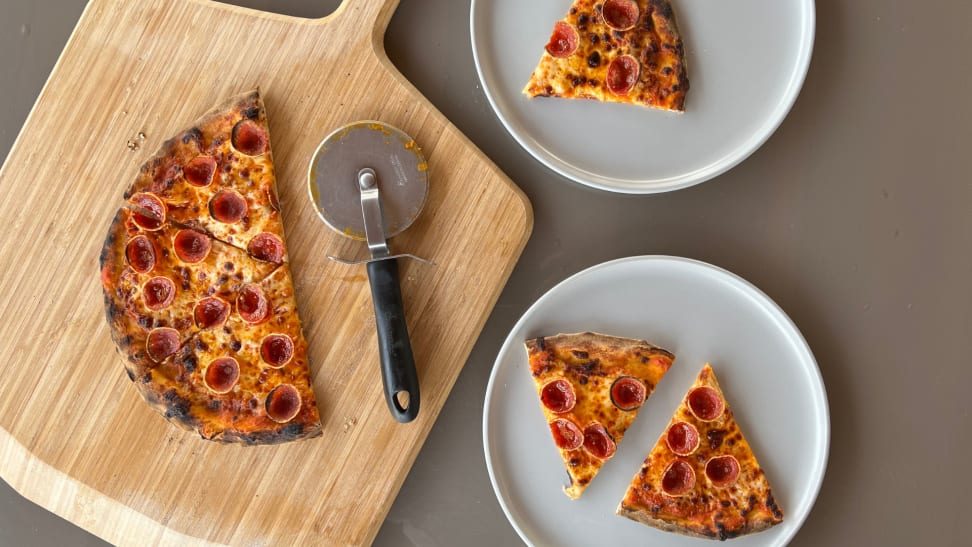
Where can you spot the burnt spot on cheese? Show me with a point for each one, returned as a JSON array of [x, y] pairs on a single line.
[[251, 113], [594, 38], [228, 266], [235, 345], [580, 354], [573, 462], [144, 321], [189, 362], [715, 438], [594, 60], [146, 378], [200, 344]]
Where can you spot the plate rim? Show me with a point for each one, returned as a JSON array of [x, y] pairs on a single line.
[[819, 388], [750, 145]]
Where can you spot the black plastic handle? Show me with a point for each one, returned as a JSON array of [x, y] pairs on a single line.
[[397, 364]]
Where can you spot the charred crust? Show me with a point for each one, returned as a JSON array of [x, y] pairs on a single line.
[[131, 375], [177, 408], [771, 504], [663, 8], [192, 135], [291, 432]]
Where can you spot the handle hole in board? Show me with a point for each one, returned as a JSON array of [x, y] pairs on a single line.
[[401, 400], [308, 9]]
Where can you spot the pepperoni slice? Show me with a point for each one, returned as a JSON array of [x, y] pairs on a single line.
[[628, 393], [158, 292], [283, 403], [249, 138], [566, 434], [210, 312], [558, 396], [151, 215], [140, 254], [722, 470], [706, 403], [564, 40], [252, 304], [266, 247], [161, 343], [191, 246], [228, 206], [598, 442], [277, 350], [678, 479], [222, 374], [682, 438], [200, 170], [620, 14], [623, 74]]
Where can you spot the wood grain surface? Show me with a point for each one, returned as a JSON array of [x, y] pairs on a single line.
[[75, 436]]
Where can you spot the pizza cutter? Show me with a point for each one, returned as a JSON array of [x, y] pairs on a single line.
[[368, 181]]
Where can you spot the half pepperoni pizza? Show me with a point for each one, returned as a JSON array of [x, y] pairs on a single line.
[[702, 479], [622, 51], [198, 293], [591, 387]]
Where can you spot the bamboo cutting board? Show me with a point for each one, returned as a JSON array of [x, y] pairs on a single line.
[[75, 436]]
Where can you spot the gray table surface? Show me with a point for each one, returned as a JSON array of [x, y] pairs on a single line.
[[856, 217]]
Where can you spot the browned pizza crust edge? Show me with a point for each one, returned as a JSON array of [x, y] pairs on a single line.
[[704, 533], [663, 13], [593, 339]]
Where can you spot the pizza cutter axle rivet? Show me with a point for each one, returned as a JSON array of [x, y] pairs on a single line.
[[366, 178]]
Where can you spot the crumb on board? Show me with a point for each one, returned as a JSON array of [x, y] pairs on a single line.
[[136, 142], [349, 422]]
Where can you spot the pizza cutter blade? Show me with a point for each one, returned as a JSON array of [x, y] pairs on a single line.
[[368, 181]]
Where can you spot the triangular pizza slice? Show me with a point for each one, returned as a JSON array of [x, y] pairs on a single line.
[[622, 51], [702, 479], [591, 387]]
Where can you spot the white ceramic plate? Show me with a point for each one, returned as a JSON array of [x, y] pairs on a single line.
[[746, 61], [702, 314]]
